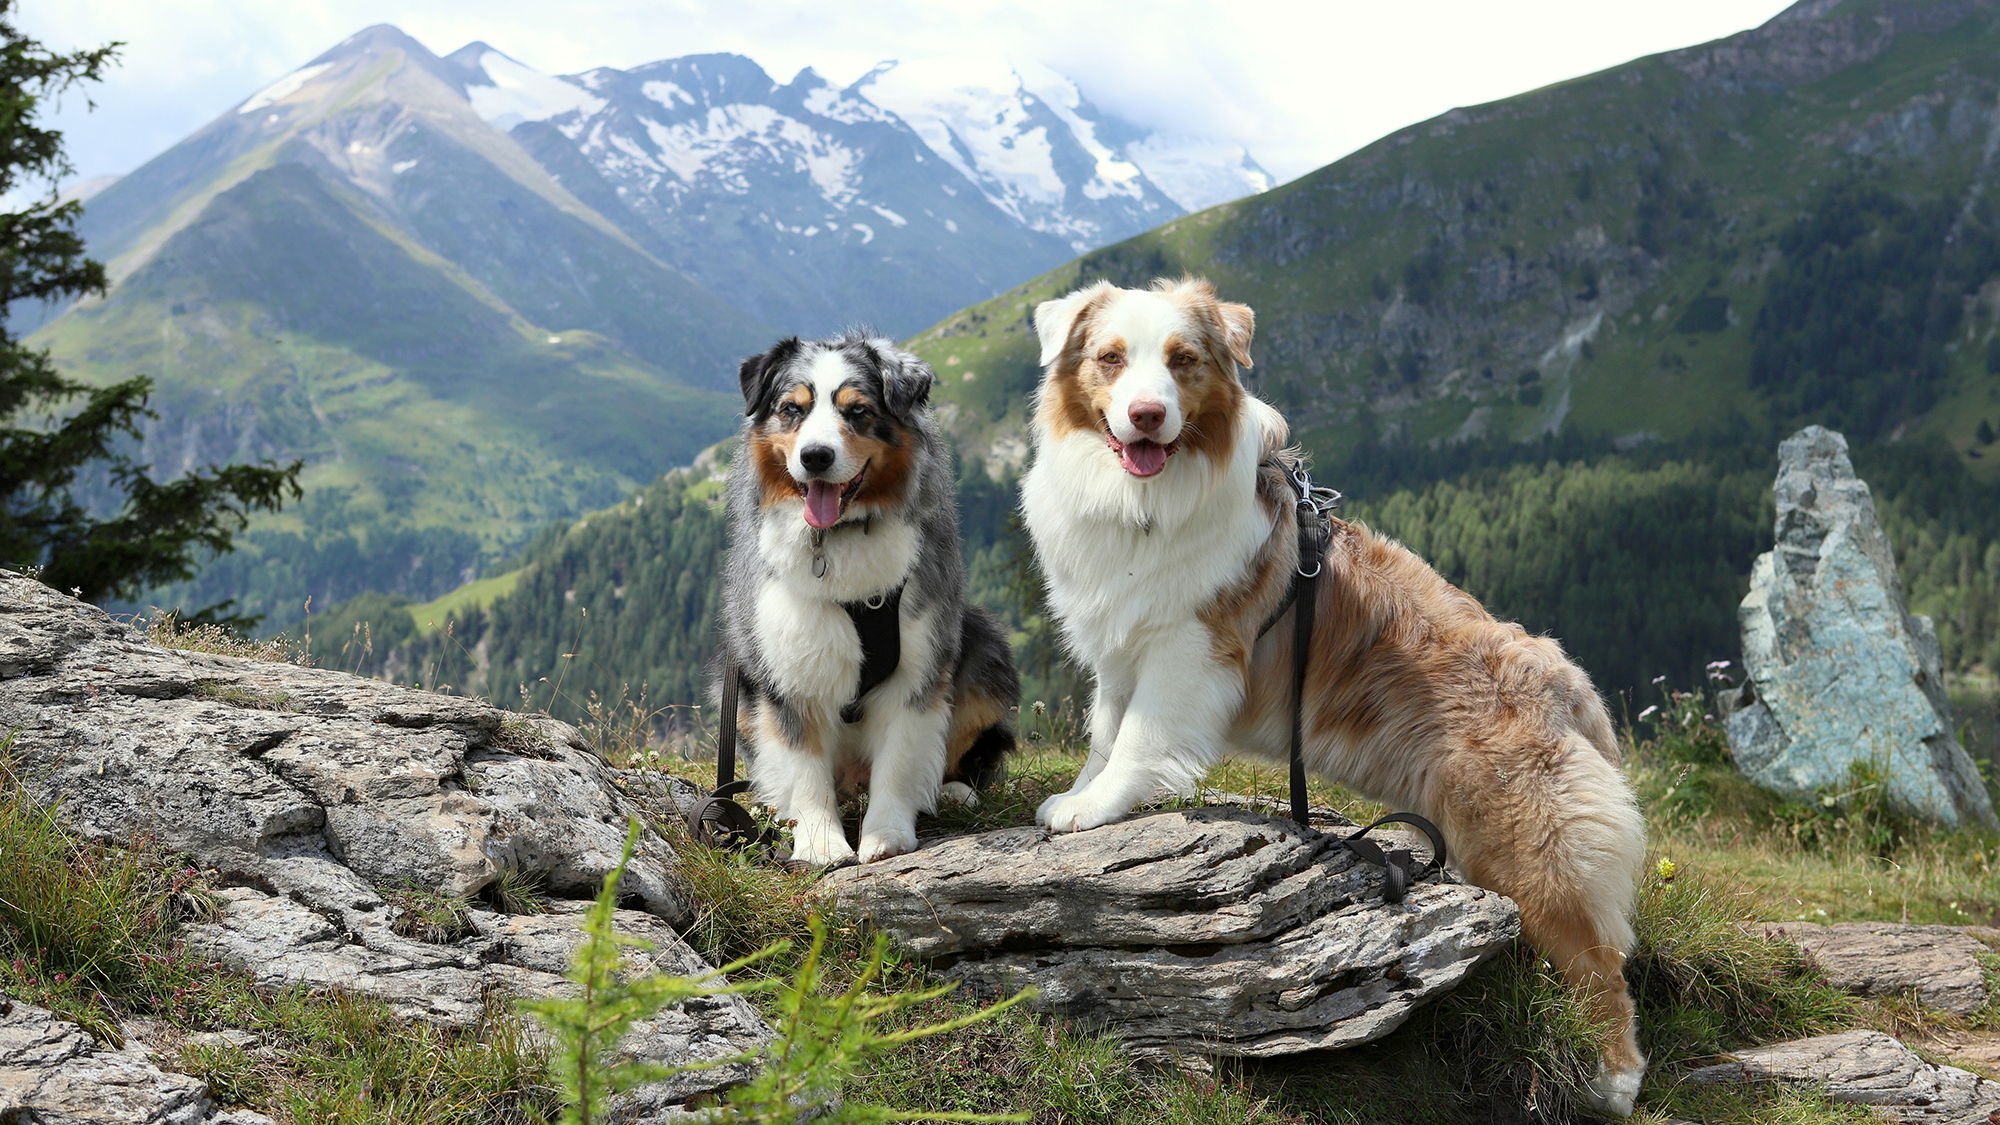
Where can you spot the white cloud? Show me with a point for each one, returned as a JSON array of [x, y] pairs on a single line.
[[1300, 83]]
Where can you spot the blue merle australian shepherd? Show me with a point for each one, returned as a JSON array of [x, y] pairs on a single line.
[[844, 609]]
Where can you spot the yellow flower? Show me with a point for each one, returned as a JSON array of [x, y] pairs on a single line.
[[1666, 868]]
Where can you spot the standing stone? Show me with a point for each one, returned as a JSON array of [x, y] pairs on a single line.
[[1839, 671]]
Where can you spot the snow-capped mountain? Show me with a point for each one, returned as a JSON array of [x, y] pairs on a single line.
[[1043, 153], [805, 205], [921, 188]]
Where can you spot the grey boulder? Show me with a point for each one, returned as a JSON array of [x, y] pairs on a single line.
[[1211, 931], [1838, 671]]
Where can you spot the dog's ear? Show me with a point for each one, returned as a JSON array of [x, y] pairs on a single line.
[[1055, 319], [906, 380], [759, 376], [1238, 325]]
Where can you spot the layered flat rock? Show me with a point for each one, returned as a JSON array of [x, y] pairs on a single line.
[[52, 1071], [1866, 1068], [1939, 964], [1218, 931]]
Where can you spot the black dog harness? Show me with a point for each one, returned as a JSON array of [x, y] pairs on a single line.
[[878, 622]]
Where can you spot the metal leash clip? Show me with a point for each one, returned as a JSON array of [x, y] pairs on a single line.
[[1320, 502]]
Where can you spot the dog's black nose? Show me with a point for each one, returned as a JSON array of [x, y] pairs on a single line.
[[816, 458]]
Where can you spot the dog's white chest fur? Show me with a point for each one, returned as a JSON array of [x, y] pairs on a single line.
[[1125, 557]]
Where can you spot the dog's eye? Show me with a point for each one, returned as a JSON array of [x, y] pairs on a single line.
[[1111, 359], [1182, 359], [856, 413], [791, 409]]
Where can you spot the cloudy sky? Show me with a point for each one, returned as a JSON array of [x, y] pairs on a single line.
[[1301, 83]]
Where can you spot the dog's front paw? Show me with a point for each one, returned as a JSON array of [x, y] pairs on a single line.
[[1074, 812], [885, 845], [959, 793], [823, 847], [1614, 1091]]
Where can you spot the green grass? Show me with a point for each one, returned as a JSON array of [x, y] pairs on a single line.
[[480, 593]]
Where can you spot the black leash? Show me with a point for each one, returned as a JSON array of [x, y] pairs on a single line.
[[717, 820], [1313, 509]]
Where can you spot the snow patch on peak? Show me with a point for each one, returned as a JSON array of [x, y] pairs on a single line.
[[830, 103], [514, 93], [1114, 176], [1199, 172], [666, 93], [711, 144], [974, 114], [283, 88]]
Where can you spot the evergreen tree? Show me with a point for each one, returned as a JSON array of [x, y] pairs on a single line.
[[155, 533]]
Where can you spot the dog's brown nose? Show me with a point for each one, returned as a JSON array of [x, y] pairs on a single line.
[[1147, 416]]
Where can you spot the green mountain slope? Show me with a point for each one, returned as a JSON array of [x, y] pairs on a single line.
[[1791, 224], [353, 268]]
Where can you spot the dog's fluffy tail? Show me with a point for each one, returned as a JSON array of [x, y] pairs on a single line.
[[986, 688]]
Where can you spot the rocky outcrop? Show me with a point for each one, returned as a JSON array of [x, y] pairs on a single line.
[[1938, 964], [303, 781], [52, 1071], [1204, 931], [308, 794], [1838, 672], [1866, 1068]]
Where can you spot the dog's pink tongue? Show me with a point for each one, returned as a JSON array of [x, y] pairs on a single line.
[[1144, 458], [822, 503]]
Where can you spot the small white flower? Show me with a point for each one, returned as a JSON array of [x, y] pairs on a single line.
[[1649, 711]]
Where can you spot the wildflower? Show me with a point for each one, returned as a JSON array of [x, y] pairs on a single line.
[[1659, 679], [1715, 664], [1040, 708], [1667, 870], [1649, 710]]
